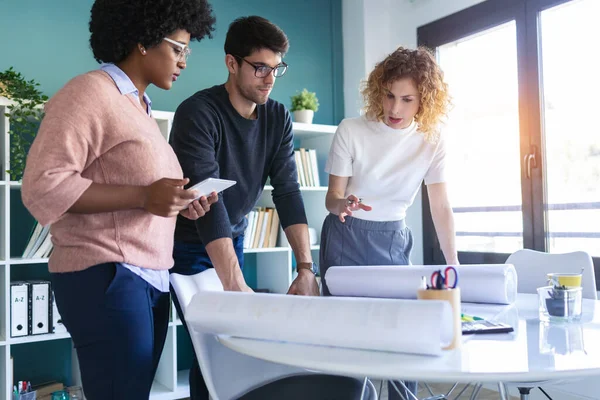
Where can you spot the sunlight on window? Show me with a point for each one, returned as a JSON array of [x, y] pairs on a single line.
[[483, 133], [571, 85]]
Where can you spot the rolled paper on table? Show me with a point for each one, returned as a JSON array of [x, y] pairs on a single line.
[[480, 283]]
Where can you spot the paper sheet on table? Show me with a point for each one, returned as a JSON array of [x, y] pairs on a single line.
[[406, 326], [479, 283]]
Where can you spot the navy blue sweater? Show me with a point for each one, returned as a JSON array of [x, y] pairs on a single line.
[[211, 139]]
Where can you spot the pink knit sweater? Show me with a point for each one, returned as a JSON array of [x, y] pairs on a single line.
[[93, 133]]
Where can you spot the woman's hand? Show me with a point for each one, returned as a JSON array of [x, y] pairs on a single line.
[[349, 204], [166, 197], [339, 205], [198, 208]]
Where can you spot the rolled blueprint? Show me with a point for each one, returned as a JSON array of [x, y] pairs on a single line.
[[404, 326], [480, 283]]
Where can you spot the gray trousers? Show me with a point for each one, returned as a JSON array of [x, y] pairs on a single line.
[[362, 242]]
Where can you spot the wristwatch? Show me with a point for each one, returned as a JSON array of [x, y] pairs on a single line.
[[311, 266]]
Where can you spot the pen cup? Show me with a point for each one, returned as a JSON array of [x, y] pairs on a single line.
[[453, 297]]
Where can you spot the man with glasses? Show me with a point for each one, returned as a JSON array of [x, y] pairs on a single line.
[[234, 131]]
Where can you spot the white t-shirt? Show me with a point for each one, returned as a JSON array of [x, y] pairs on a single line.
[[386, 166]]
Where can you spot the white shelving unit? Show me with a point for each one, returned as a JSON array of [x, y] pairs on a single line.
[[273, 265]]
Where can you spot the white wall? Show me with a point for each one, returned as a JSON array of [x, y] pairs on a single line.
[[420, 12], [353, 42], [374, 28]]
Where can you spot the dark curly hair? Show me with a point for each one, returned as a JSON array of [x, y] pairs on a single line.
[[249, 34], [118, 25], [420, 65]]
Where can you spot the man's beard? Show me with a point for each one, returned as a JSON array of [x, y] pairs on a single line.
[[251, 95]]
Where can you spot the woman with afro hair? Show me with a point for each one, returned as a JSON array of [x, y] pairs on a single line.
[[101, 173], [377, 163]]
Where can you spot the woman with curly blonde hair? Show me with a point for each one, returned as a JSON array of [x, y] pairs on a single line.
[[378, 161]]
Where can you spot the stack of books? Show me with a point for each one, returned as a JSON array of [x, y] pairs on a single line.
[[262, 229], [308, 172]]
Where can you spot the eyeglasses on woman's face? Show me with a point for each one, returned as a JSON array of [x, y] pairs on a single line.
[[182, 51]]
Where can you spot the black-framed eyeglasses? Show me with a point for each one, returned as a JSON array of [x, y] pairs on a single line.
[[262, 71]]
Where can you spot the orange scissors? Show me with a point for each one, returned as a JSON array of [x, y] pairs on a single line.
[[439, 281]]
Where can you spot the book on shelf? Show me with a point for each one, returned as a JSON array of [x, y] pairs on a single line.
[[258, 228], [314, 165], [264, 235], [307, 166], [299, 168], [262, 228], [40, 242]]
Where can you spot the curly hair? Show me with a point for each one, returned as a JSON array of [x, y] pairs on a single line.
[[116, 26], [420, 65]]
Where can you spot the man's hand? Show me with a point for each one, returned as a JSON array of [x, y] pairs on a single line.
[[199, 208], [238, 285], [305, 284]]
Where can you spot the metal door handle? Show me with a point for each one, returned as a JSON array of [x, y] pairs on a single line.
[[530, 161]]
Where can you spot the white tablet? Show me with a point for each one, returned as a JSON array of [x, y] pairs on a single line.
[[207, 186]]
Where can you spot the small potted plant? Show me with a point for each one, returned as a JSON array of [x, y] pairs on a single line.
[[304, 106]]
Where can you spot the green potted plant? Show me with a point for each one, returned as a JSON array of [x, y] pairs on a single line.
[[24, 116], [304, 106]]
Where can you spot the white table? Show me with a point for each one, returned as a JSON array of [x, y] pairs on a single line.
[[536, 351]]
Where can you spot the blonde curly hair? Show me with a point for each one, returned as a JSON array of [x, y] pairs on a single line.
[[420, 65]]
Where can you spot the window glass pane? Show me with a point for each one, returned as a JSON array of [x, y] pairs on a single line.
[[483, 137], [570, 85]]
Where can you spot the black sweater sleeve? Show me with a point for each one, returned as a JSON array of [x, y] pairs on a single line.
[[194, 136]]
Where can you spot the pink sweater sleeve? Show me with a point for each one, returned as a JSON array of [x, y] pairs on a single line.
[[52, 181]]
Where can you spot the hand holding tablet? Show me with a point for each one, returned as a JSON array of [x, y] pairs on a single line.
[[207, 186]]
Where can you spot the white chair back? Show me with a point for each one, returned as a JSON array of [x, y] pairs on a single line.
[[532, 267], [187, 286], [227, 374]]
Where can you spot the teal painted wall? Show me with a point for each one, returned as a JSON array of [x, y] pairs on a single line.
[[49, 41]]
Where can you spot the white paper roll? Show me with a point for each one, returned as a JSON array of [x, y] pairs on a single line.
[[480, 283], [406, 326]]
